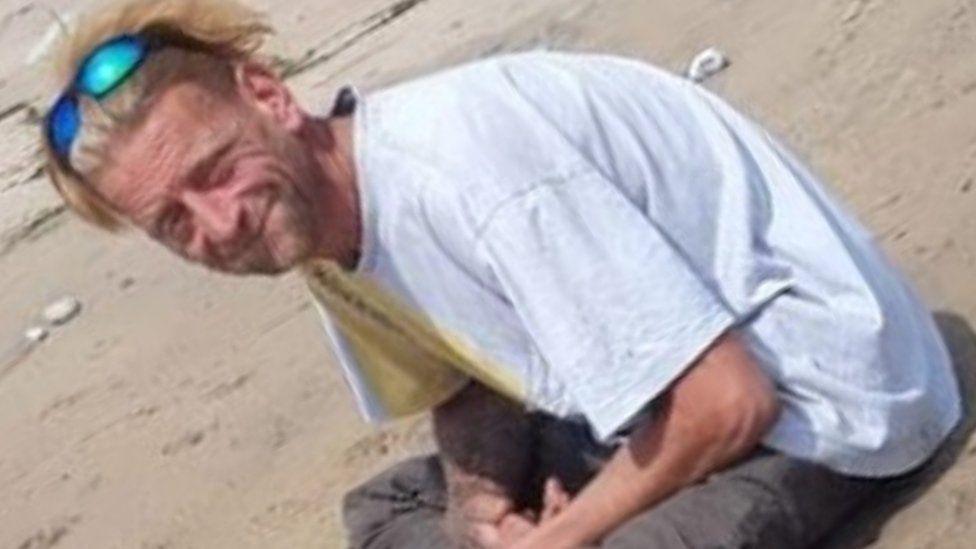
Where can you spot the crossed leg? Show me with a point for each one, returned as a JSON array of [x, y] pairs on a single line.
[[768, 500]]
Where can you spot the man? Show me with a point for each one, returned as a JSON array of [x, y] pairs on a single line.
[[637, 319]]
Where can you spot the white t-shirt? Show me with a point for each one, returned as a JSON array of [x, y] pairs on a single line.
[[593, 224]]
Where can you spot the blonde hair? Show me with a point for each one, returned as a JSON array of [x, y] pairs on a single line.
[[201, 38]]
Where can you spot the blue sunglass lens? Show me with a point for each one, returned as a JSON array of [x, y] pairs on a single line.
[[63, 124], [109, 65]]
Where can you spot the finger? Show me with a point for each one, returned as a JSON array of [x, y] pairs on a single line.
[[514, 527], [549, 502], [484, 507], [529, 515], [485, 535], [562, 496], [554, 498]]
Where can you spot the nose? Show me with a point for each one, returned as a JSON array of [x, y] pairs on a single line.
[[220, 218]]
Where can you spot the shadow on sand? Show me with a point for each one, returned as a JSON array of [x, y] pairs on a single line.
[[865, 526]]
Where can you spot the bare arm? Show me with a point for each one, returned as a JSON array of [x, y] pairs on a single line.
[[713, 415], [484, 442]]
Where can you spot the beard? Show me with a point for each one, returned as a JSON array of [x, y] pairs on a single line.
[[285, 239], [287, 228], [291, 211]]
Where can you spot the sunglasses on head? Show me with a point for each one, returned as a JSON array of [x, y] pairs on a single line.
[[106, 68]]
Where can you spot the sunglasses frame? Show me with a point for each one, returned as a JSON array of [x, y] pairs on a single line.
[[63, 121]]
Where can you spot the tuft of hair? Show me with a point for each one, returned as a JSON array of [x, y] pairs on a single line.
[[206, 37]]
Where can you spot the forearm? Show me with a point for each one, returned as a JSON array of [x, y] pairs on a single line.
[[484, 443], [713, 416], [653, 465]]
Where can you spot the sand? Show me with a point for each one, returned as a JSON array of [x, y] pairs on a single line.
[[187, 409]]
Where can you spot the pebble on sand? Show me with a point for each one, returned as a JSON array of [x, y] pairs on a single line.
[[706, 64], [62, 311], [36, 334]]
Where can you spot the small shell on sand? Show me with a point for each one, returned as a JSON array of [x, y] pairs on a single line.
[[36, 334], [62, 310], [706, 64]]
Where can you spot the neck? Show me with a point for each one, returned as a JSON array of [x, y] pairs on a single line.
[[340, 229]]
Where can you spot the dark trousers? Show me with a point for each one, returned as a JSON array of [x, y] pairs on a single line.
[[768, 500]]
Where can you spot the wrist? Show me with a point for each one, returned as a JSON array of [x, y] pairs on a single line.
[[563, 531]]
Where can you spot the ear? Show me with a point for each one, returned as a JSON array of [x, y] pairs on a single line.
[[260, 87]]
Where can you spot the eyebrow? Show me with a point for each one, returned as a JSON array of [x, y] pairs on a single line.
[[198, 168], [204, 163]]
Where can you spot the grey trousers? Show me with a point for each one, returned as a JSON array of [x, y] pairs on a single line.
[[768, 500]]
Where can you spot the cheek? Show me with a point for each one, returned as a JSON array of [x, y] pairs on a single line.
[[288, 232], [285, 220]]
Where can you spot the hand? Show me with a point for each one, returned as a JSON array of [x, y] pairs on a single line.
[[515, 529], [504, 534], [472, 519]]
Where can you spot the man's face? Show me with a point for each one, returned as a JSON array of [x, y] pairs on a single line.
[[217, 180]]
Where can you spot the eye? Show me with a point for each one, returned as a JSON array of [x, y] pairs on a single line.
[[224, 172], [174, 225], [215, 171]]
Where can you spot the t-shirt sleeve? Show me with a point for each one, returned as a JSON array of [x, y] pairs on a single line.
[[613, 307]]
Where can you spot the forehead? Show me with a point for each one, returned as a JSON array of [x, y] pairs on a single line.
[[182, 123]]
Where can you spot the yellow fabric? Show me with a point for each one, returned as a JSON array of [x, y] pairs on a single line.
[[408, 362]]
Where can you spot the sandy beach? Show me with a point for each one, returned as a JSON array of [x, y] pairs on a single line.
[[187, 409]]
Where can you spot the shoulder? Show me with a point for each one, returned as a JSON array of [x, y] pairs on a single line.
[[524, 73], [470, 136], [478, 135]]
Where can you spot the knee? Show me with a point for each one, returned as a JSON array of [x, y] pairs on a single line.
[[754, 524], [354, 499], [408, 489], [379, 495], [360, 516], [656, 532]]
